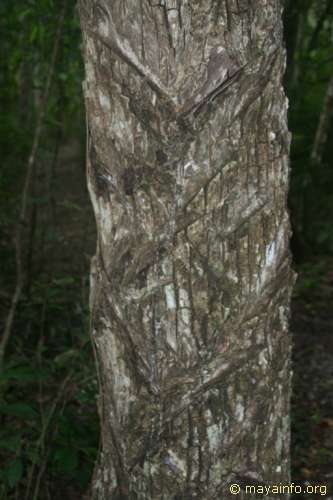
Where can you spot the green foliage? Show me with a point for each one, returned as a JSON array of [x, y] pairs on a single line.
[[27, 37], [13, 472], [309, 45], [49, 426], [49, 422]]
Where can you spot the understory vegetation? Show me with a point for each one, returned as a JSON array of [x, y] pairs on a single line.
[[49, 425]]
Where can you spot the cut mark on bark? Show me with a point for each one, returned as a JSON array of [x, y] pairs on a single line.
[[109, 36], [221, 71]]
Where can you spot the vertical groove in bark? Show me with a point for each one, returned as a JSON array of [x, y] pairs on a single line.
[[188, 174]]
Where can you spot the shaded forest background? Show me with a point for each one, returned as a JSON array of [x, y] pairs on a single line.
[[49, 430]]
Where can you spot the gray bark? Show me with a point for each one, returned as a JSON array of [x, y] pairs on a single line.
[[188, 174]]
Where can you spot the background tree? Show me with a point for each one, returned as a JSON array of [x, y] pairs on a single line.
[[308, 81], [188, 174]]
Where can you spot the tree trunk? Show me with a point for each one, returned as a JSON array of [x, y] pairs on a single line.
[[323, 128], [190, 286]]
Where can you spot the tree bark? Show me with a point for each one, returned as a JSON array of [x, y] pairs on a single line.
[[187, 159]]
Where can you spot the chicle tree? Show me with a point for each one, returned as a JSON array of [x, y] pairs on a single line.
[[187, 160]]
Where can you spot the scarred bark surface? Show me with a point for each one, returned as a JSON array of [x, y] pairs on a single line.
[[188, 174]]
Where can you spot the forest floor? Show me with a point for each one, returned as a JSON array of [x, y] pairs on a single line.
[[65, 258], [312, 402]]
